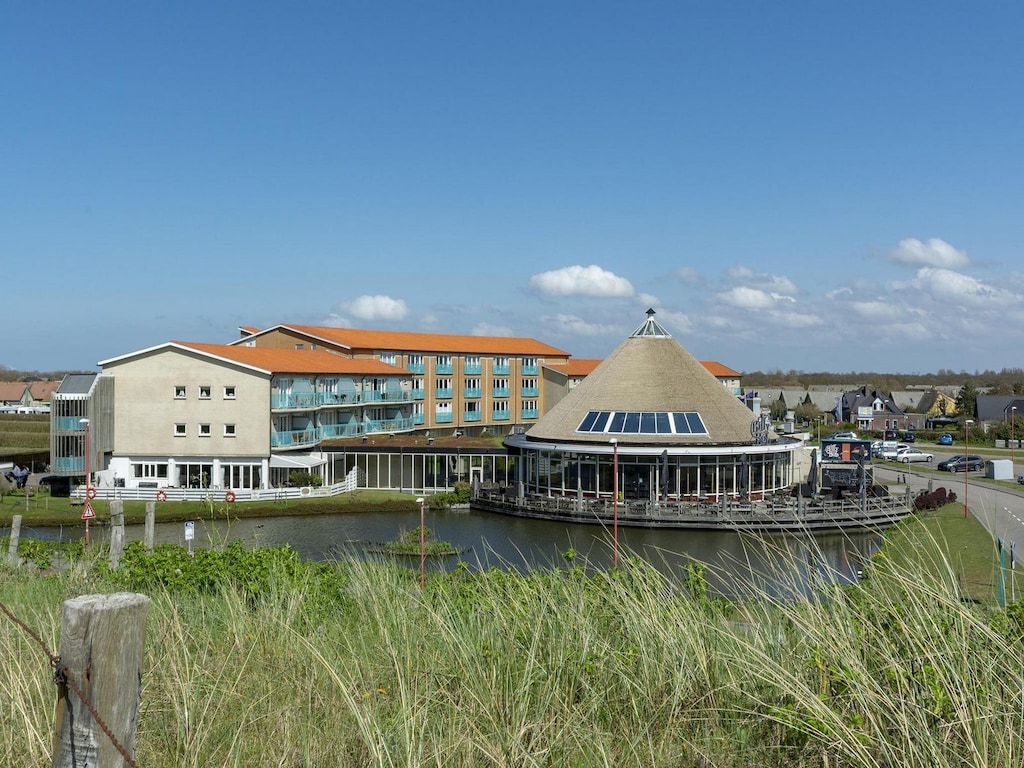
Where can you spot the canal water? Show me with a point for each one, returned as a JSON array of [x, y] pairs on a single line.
[[777, 564]]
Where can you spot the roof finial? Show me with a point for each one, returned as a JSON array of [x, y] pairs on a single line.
[[651, 327]]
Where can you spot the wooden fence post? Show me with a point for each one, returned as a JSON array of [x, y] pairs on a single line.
[[116, 532], [150, 525], [101, 645], [12, 549]]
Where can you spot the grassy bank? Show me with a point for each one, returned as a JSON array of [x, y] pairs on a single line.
[[42, 509], [260, 659]]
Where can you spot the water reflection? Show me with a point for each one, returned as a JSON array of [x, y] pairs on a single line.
[[779, 564]]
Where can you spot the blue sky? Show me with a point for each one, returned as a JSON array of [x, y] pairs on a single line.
[[803, 185]]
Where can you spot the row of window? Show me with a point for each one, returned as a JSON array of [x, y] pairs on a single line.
[[205, 392], [204, 430], [392, 358]]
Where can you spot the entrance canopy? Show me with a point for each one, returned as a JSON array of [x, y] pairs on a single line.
[[291, 461]]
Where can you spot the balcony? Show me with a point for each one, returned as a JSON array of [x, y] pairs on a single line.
[[472, 416], [294, 400], [443, 368], [338, 397], [293, 438], [501, 369], [416, 367], [69, 464], [329, 431], [68, 424], [418, 394], [418, 418], [376, 426], [444, 394], [443, 418], [531, 413], [387, 396], [472, 369], [501, 392], [531, 391], [529, 369], [472, 392], [503, 415]]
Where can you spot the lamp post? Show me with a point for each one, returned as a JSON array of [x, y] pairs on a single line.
[[1013, 416], [967, 452], [615, 502], [88, 479], [423, 548]]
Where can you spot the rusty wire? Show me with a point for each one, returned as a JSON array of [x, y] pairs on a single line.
[[63, 678]]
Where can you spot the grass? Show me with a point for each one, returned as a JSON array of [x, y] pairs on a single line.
[[552, 668]]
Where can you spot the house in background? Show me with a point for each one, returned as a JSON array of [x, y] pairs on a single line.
[[874, 410]]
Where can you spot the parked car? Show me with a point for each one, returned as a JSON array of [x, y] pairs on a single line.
[[908, 437], [1020, 479], [913, 455], [946, 439], [890, 434], [962, 463], [58, 485], [891, 450], [843, 436]]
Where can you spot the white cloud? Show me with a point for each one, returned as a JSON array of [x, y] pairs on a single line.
[[747, 298], [771, 283], [581, 281], [947, 285], [795, 319], [647, 299], [486, 329], [932, 253], [576, 326], [336, 321], [687, 275], [675, 321], [376, 308], [873, 310]]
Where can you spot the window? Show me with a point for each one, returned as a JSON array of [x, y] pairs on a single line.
[[204, 392], [501, 383], [443, 408], [389, 357], [529, 405], [179, 393], [229, 393], [529, 383], [229, 430], [415, 359], [529, 362], [501, 362], [499, 405], [473, 383], [300, 346], [444, 359], [147, 470], [443, 384], [179, 430], [472, 360], [473, 406], [204, 430]]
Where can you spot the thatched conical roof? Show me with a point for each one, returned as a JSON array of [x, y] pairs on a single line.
[[649, 372]]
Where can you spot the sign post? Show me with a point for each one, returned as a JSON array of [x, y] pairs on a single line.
[[190, 533], [87, 515]]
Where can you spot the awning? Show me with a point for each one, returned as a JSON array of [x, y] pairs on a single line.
[[292, 460]]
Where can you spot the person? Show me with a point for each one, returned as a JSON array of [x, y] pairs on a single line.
[[21, 474]]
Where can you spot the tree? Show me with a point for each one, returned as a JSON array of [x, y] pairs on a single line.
[[967, 400]]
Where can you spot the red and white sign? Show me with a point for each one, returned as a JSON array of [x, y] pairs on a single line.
[[87, 513]]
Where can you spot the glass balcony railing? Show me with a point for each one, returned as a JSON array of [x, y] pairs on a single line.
[[501, 369], [530, 369], [416, 367], [295, 437], [531, 413], [418, 394], [504, 415], [418, 418], [531, 391], [472, 416], [68, 464], [294, 400], [501, 392], [329, 431], [443, 418], [472, 392], [443, 368], [375, 426], [472, 369], [68, 424], [443, 394]]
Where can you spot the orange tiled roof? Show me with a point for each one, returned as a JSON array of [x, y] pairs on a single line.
[[41, 390], [717, 369], [11, 391], [581, 366], [398, 341], [295, 360]]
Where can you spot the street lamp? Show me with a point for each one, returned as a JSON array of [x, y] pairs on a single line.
[[423, 548], [1013, 416], [615, 502], [967, 465]]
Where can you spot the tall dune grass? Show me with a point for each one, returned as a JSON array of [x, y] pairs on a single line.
[[552, 668]]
